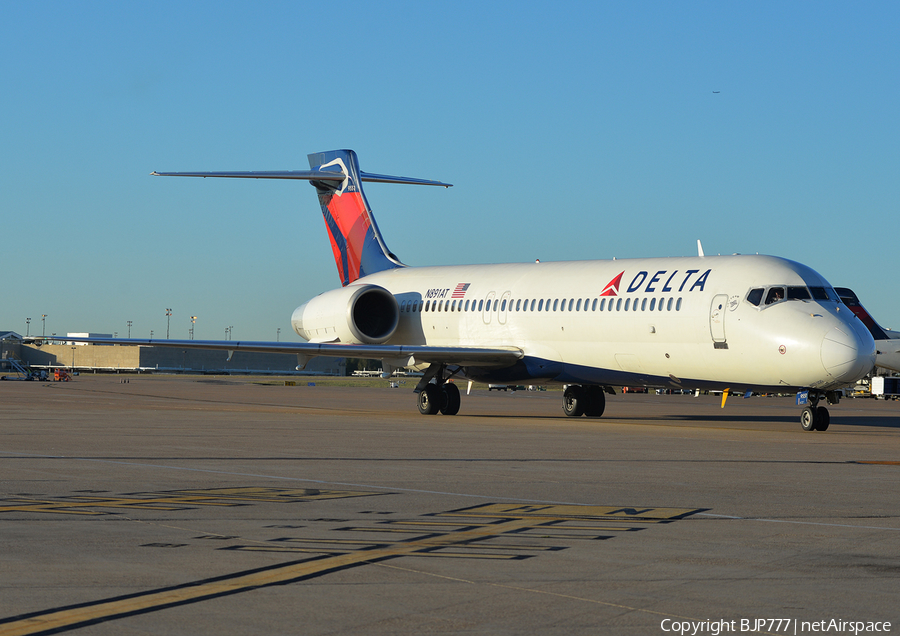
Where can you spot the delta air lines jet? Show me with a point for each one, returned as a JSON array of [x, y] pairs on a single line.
[[731, 323]]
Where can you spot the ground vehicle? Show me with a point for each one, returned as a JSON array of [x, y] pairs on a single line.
[[885, 388]]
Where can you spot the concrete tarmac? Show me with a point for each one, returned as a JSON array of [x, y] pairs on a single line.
[[185, 505]]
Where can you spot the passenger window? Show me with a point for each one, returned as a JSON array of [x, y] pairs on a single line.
[[678, 305], [578, 305], [427, 305], [571, 302], [627, 302], [480, 305], [503, 305], [519, 304], [755, 296], [594, 305], [541, 305], [467, 306], [669, 305], [798, 293], [555, 304], [775, 294], [644, 305], [532, 304], [563, 306], [652, 304], [453, 306]]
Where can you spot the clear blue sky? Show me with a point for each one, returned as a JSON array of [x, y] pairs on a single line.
[[569, 130]]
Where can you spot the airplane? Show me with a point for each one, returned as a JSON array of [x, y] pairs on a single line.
[[886, 341], [727, 323]]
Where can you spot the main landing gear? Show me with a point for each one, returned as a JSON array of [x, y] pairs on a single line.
[[815, 417], [444, 399], [440, 396], [583, 400]]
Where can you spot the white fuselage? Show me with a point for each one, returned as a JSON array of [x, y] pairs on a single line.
[[679, 322]]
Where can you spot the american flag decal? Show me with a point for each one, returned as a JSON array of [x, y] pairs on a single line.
[[460, 291]]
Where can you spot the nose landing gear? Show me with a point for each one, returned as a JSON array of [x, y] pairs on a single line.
[[815, 417]]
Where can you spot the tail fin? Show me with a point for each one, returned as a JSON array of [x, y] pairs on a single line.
[[358, 246], [849, 298], [359, 249]]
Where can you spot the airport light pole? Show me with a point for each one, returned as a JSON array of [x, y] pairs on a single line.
[[43, 325], [129, 327], [193, 320], [27, 327], [278, 335], [151, 334], [168, 317]]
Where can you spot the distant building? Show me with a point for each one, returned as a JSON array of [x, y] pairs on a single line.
[[147, 359], [85, 335], [10, 347]]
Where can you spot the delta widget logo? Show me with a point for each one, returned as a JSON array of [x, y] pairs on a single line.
[[612, 287]]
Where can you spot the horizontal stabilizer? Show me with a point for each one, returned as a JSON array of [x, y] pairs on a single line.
[[305, 175]]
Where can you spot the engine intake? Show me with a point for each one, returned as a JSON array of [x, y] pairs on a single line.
[[358, 314]]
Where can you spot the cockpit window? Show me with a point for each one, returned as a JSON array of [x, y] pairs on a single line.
[[819, 293], [755, 296], [798, 293], [775, 294]]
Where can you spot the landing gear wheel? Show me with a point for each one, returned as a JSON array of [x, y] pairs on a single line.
[[596, 401], [574, 401], [808, 419], [823, 419], [450, 401], [429, 399]]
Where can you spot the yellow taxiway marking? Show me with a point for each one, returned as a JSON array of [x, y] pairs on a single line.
[[580, 513], [139, 603], [174, 500], [493, 521]]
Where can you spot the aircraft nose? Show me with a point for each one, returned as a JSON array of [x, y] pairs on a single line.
[[846, 354]]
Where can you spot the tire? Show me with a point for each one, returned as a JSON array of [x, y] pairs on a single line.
[[596, 401], [574, 401], [429, 400], [808, 419], [450, 399], [823, 419]]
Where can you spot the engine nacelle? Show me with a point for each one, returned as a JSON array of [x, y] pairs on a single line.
[[357, 314]]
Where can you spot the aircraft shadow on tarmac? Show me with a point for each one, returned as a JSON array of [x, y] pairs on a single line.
[[838, 418]]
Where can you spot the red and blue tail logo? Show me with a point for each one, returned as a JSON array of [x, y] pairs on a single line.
[[358, 247]]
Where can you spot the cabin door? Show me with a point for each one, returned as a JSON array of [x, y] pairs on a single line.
[[717, 318]]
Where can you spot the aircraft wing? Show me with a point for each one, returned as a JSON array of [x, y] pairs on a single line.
[[408, 355]]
